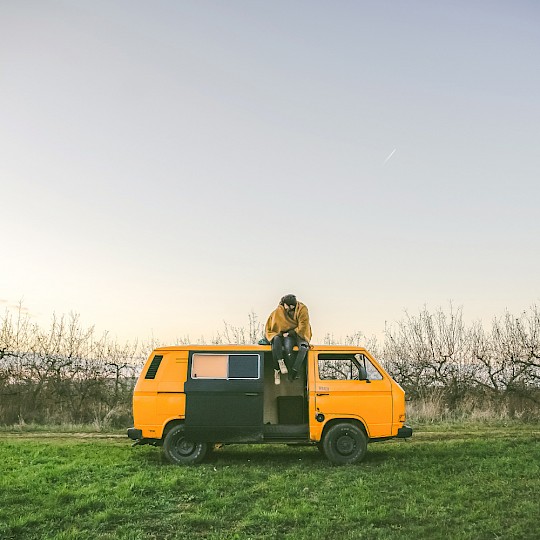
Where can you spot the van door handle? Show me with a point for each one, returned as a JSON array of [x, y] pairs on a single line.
[[323, 394], [251, 394]]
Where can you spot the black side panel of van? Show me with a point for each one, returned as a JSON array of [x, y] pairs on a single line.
[[226, 410]]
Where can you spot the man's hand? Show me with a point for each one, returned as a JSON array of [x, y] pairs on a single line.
[[285, 334]]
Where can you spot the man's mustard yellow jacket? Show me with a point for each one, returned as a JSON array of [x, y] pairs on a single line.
[[279, 322]]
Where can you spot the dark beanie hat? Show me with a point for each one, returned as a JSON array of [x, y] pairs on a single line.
[[289, 299]]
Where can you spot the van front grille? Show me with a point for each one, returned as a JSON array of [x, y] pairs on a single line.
[[154, 366]]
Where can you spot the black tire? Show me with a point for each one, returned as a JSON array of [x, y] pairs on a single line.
[[344, 443], [180, 451]]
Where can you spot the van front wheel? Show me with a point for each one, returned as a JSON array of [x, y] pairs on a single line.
[[179, 451], [344, 443]]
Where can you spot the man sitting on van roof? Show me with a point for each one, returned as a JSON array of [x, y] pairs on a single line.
[[287, 326]]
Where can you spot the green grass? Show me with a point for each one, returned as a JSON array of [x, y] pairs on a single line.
[[468, 481]]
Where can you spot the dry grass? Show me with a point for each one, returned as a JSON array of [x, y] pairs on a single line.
[[435, 408]]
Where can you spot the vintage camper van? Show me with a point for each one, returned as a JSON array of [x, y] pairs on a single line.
[[189, 398]]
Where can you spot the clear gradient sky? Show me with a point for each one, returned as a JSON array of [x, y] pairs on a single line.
[[165, 166]]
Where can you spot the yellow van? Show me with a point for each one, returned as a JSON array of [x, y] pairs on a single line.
[[189, 398]]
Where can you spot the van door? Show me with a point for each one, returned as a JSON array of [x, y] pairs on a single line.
[[224, 397], [343, 391]]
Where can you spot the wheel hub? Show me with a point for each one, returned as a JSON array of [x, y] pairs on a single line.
[[345, 444], [185, 447]]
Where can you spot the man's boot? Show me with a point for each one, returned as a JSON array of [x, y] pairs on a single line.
[[300, 357]]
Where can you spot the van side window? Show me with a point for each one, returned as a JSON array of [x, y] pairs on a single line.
[[347, 367], [342, 367], [225, 366], [243, 366], [209, 366]]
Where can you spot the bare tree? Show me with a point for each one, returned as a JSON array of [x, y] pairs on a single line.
[[63, 373]]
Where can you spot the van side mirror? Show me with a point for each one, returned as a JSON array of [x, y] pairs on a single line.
[[363, 373]]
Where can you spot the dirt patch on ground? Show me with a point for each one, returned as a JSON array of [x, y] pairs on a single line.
[[59, 435]]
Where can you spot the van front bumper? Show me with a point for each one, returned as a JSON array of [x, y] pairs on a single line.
[[404, 432]]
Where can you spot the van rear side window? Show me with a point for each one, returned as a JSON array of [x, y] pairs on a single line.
[[225, 366], [209, 366]]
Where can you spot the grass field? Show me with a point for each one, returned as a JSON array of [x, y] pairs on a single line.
[[449, 481]]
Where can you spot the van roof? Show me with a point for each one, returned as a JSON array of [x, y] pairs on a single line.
[[253, 348]]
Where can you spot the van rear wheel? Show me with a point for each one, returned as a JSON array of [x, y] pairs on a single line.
[[344, 443], [179, 451]]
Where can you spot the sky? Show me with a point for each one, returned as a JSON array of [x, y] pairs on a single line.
[[167, 166]]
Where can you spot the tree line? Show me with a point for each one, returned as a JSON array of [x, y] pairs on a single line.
[[494, 368], [67, 373]]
